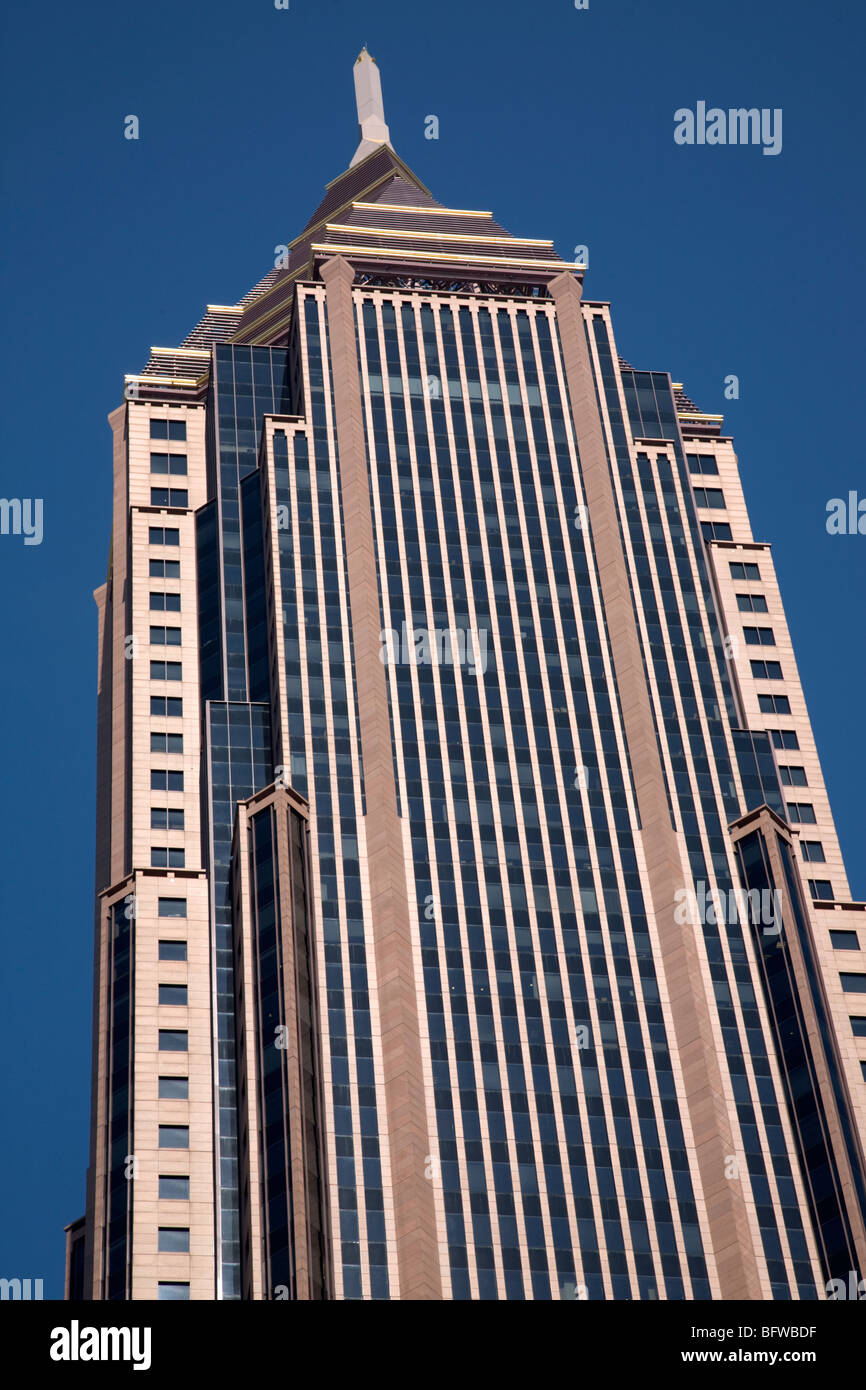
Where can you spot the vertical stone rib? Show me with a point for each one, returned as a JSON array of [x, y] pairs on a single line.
[[732, 1244], [408, 1135]]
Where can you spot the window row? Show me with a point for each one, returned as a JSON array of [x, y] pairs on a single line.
[[784, 738], [169, 497], [162, 857], [165, 569], [755, 636], [812, 851], [844, 941], [174, 995], [702, 463], [792, 776], [774, 704], [164, 780], [712, 497], [167, 429], [751, 603], [168, 463], [169, 706], [821, 890], [766, 670], [166, 743]]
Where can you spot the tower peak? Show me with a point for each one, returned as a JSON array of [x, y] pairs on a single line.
[[372, 128]]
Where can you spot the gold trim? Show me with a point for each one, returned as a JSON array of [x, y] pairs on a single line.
[[406, 207], [184, 381], [403, 252], [440, 236], [183, 352], [225, 308]]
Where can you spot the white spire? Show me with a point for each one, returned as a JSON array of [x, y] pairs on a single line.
[[371, 110]]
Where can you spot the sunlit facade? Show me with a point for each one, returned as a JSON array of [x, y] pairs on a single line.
[[471, 920]]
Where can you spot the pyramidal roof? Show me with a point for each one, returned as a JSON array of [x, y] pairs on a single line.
[[382, 218]]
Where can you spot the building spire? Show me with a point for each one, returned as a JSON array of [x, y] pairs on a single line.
[[371, 110]]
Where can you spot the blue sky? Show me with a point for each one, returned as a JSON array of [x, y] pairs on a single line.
[[716, 260]]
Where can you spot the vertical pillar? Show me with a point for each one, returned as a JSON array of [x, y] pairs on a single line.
[[707, 1104], [408, 1135]]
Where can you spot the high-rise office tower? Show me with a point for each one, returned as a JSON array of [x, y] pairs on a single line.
[[471, 921]]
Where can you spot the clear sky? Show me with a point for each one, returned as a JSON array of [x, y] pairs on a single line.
[[717, 260]]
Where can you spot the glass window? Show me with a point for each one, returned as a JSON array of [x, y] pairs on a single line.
[[166, 743], [812, 851], [858, 1027], [172, 907], [162, 780], [168, 463], [164, 535], [844, 941], [751, 603], [174, 1239], [716, 531], [171, 706], [710, 497], [162, 857], [774, 704], [165, 603], [165, 569], [702, 463], [759, 636], [173, 1040], [171, 1292], [853, 983], [784, 738], [821, 890], [793, 776], [174, 1136], [158, 429], [172, 950], [177, 429], [801, 813], [173, 1189], [174, 1088], [169, 497], [173, 994]]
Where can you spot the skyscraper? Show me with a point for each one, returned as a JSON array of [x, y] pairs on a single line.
[[471, 921]]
